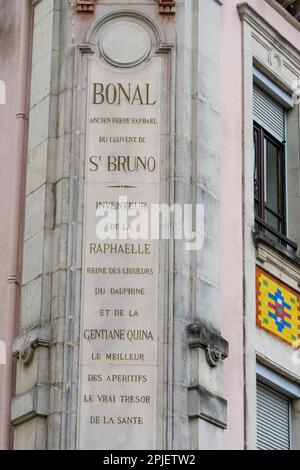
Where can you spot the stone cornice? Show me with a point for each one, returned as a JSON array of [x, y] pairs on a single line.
[[272, 252], [265, 29]]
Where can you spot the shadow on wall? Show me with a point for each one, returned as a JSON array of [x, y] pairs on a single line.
[[7, 28], [2, 352], [2, 92]]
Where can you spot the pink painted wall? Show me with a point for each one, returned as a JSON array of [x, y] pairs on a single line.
[[231, 222], [232, 203], [9, 56]]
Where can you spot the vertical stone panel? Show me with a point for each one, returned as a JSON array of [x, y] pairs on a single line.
[[39, 219], [198, 113]]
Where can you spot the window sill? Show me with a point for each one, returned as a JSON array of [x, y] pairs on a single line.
[[261, 238]]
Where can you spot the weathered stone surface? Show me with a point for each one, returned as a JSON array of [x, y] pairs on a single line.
[[207, 406], [33, 257], [30, 404], [31, 435]]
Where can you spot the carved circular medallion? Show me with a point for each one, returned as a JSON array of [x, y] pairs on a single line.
[[124, 43]]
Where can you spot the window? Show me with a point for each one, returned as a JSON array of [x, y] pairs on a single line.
[[292, 6], [277, 407], [269, 180], [269, 146], [273, 419]]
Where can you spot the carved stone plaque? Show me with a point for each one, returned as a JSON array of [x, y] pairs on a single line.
[[117, 405]]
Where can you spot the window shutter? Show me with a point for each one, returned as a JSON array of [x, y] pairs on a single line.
[[273, 419], [269, 113]]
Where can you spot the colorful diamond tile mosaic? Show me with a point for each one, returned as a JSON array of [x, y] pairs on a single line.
[[278, 307]]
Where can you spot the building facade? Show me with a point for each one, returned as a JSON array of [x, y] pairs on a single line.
[[182, 341]]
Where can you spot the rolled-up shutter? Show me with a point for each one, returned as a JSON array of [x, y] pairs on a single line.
[[268, 113], [273, 419]]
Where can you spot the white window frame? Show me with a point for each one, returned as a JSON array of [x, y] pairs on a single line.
[[286, 100], [278, 382], [281, 384]]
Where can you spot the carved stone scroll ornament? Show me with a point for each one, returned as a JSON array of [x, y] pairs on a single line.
[[216, 347], [26, 351], [167, 7], [25, 344], [85, 6]]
